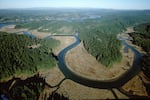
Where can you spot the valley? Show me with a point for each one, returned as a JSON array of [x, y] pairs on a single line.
[[77, 55]]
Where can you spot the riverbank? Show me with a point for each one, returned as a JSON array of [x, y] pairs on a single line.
[[125, 35], [11, 29], [136, 86], [64, 42], [82, 63]]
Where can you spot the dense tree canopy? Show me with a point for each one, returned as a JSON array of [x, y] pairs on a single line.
[[17, 57], [141, 36]]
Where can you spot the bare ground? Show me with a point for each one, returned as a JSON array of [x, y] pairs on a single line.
[[73, 90], [40, 34], [64, 42], [11, 29], [84, 64], [136, 86]]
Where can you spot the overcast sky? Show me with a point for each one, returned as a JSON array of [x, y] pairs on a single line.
[[114, 4]]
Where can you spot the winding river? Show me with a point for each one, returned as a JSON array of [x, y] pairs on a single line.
[[114, 83], [104, 84]]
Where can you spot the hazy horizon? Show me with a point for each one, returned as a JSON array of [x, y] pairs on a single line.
[[100, 4]]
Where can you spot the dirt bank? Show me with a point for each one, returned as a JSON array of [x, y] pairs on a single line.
[[11, 29], [64, 42], [73, 90], [136, 86], [84, 64]]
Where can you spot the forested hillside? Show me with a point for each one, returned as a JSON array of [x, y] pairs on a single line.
[[99, 36], [141, 36], [105, 47], [21, 54]]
